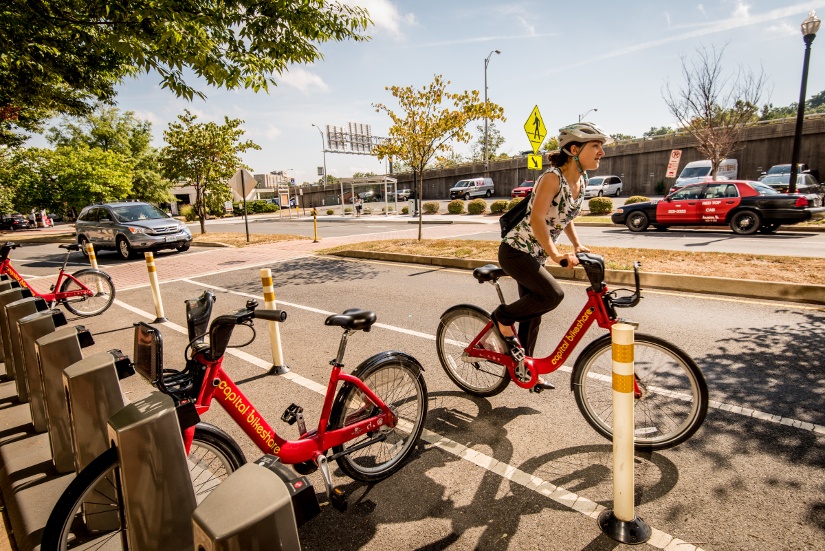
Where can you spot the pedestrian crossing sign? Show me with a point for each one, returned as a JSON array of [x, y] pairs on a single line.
[[534, 162], [534, 127]]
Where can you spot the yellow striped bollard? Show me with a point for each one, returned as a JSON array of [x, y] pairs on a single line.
[[153, 282], [90, 252], [621, 523], [315, 225], [278, 365]]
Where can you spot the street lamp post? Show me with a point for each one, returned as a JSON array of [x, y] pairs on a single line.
[[581, 117], [809, 28], [486, 157], [324, 149]]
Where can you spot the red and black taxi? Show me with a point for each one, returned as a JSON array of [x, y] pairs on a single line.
[[745, 206]]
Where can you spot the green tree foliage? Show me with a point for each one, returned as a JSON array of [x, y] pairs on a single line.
[[204, 155], [622, 137], [62, 56], [814, 105], [494, 142], [661, 131], [551, 143], [424, 129]]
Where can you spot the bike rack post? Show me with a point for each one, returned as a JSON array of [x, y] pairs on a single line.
[[258, 507], [31, 328], [14, 311], [10, 294], [278, 365], [90, 252], [315, 226], [5, 285], [55, 352], [153, 282], [621, 523], [158, 498], [92, 395]]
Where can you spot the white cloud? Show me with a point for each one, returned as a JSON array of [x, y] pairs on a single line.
[[782, 28], [667, 18], [385, 16], [741, 10], [272, 132], [303, 80], [701, 8], [528, 26]]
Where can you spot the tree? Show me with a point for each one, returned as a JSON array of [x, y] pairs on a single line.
[[426, 129], [494, 141], [62, 56], [551, 143], [204, 155], [661, 131], [622, 137], [714, 105]]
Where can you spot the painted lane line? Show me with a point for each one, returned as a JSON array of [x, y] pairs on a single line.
[[659, 539]]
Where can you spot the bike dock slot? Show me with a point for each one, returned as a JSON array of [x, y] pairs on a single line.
[[14, 311], [9, 295], [31, 328]]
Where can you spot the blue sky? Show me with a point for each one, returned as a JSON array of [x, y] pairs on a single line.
[[565, 57]]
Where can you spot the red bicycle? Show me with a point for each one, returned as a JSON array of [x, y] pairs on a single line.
[[670, 390], [85, 293], [371, 424]]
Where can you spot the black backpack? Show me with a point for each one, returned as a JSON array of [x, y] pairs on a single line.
[[513, 216]]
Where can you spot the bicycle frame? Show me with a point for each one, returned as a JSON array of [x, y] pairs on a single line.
[[219, 386], [57, 295]]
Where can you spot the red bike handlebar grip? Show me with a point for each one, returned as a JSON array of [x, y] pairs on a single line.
[[270, 315]]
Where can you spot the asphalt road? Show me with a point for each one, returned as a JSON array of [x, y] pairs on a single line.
[[741, 482]]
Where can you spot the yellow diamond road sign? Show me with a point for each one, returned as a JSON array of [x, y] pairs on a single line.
[[535, 129]]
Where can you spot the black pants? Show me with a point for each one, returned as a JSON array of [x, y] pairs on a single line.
[[538, 293]]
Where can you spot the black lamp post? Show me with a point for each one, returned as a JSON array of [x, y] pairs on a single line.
[[809, 28]]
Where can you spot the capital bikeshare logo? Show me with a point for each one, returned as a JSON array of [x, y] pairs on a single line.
[[571, 336], [253, 420]]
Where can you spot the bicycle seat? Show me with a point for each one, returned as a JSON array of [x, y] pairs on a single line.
[[353, 318], [490, 272], [70, 247]]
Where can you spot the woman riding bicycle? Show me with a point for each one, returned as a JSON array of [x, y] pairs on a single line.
[[555, 201]]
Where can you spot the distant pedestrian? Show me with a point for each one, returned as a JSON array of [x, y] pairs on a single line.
[[359, 204]]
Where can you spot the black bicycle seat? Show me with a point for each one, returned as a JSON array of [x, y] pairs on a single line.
[[353, 318], [70, 247], [489, 272]]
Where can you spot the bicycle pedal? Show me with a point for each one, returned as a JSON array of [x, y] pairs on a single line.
[[338, 499], [291, 414]]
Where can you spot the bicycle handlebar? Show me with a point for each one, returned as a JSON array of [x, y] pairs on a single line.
[[271, 315], [220, 331]]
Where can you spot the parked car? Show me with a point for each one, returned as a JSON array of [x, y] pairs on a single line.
[[783, 169], [403, 195], [369, 196], [130, 227], [472, 187], [806, 184], [746, 206], [702, 171], [522, 191], [603, 185], [14, 222]]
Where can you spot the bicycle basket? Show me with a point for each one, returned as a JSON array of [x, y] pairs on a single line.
[[148, 352]]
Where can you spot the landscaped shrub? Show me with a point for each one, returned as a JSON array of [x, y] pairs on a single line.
[[477, 206], [636, 199], [431, 207], [456, 206], [405, 210], [497, 207], [513, 202], [600, 205], [330, 212], [188, 213], [347, 210]]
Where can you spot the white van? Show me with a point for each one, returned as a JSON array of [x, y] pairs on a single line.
[[701, 171], [472, 187]]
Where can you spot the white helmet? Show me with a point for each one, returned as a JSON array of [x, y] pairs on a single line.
[[582, 132]]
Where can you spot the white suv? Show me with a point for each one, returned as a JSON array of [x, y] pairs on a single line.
[[603, 185]]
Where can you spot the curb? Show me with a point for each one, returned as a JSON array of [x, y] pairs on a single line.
[[813, 294]]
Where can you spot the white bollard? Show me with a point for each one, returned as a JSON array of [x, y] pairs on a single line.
[[621, 523], [278, 365], [153, 282], [90, 252]]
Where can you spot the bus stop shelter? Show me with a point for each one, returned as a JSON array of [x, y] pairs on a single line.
[[371, 189]]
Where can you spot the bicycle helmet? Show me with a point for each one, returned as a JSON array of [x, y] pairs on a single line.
[[582, 132]]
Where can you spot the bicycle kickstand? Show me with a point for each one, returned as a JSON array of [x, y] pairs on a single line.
[[335, 495]]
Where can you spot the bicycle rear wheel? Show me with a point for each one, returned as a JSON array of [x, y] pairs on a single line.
[[674, 394], [100, 285], [459, 326], [87, 515], [397, 379]]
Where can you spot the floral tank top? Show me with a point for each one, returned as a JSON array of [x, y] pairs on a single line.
[[563, 209]]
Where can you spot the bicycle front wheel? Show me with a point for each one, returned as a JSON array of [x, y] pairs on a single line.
[[102, 293], [88, 516], [673, 400], [459, 326], [397, 379]]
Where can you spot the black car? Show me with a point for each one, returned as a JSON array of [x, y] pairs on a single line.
[[15, 222], [745, 206]]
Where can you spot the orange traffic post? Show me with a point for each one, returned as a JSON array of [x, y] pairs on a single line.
[[621, 523], [153, 282], [278, 365]]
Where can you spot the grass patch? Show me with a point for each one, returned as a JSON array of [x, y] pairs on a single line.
[[735, 266], [239, 239]]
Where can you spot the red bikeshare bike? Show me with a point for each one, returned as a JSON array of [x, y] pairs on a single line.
[[85, 293], [370, 424], [670, 390]]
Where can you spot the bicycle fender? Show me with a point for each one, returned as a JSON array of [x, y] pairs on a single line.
[[578, 365], [92, 271], [478, 309], [220, 434]]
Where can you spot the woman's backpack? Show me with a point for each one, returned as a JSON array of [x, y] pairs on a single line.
[[513, 216]]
